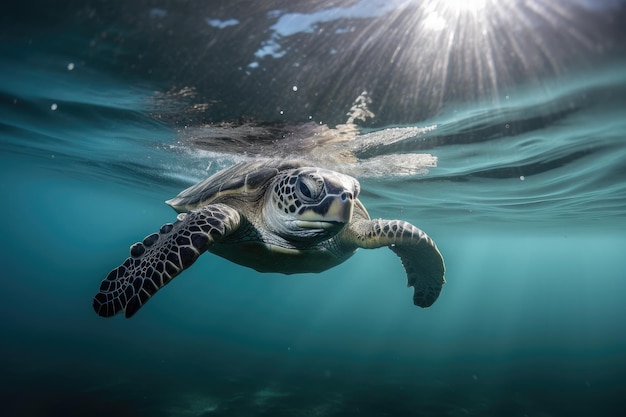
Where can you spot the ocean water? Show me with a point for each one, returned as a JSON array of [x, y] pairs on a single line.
[[499, 129]]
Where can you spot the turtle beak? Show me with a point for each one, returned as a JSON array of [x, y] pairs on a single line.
[[340, 209], [333, 212]]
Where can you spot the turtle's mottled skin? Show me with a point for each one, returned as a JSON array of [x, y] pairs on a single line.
[[273, 216]]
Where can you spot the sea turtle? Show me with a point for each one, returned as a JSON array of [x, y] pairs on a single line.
[[274, 216]]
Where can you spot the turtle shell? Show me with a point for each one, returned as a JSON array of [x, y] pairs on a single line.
[[244, 178]]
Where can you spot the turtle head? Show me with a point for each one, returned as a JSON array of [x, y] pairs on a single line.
[[310, 203]]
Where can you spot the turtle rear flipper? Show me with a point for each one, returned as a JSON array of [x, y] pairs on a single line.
[[420, 257], [161, 256]]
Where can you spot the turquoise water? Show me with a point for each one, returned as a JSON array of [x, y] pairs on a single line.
[[526, 203]]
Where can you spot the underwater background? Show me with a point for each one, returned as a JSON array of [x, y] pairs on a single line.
[[499, 128]]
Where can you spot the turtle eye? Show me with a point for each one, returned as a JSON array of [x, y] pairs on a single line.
[[304, 189], [309, 189]]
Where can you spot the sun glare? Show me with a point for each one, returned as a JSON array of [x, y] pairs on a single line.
[[470, 5], [482, 46], [442, 14]]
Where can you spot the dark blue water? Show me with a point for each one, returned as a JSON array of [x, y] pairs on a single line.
[[511, 118]]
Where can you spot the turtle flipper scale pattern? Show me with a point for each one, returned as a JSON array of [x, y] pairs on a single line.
[[420, 257], [161, 256]]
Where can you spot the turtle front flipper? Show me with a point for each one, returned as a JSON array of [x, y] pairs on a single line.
[[162, 256], [421, 259]]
